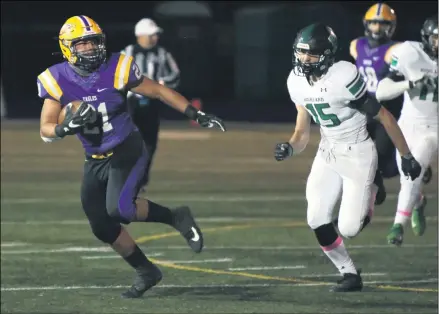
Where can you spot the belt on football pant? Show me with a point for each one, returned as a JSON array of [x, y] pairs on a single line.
[[101, 156]]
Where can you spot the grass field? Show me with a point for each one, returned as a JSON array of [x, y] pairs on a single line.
[[260, 255]]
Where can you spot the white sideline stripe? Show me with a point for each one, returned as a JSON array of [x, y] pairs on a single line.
[[63, 250], [40, 288], [182, 247], [338, 275], [13, 244], [215, 260], [268, 267], [220, 199], [116, 256], [315, 247], [201, 219]]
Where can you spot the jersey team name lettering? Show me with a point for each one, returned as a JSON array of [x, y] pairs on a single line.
[[312, 99], [90, 98]]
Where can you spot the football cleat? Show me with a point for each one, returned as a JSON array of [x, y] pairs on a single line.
[[395, 235], [184, 222], [349, 283], [418, 218], [145, 280]]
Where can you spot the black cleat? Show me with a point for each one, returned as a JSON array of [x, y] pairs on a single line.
[[145, 280], [427, 175], [349, 283], [381, 193], [184, 222]]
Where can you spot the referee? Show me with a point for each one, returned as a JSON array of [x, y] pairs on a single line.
[[157, 64]]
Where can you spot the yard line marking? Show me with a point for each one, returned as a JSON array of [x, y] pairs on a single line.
[[194, 198], [215, 260], [63, 250], [274, 278], [201, 219], [267, 267], [116, 256], [170, 286], [311, 247], [216, 229], [338, 275], [13, 244], [178, 247]]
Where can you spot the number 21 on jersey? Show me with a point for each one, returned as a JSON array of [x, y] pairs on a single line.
[[106, 126]]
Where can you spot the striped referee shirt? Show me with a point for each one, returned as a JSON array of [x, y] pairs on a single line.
[[155, 63]]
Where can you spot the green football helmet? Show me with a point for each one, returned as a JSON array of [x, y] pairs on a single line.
[[315, 40]]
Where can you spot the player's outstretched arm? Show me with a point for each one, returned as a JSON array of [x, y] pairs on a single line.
[[394, 85], [373, 108], [150, 88], [409, 165], [298, 140]]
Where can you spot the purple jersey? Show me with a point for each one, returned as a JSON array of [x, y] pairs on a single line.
[[105, 89], [371, 62]]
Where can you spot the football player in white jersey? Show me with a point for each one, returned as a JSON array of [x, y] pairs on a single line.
[[414, 73], [334, 94]]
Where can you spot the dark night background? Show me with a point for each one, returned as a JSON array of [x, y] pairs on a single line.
[[236, 60]]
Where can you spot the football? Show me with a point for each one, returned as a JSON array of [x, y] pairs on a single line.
[[74, 105]]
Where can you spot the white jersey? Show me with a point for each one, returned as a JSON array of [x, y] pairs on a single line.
[[327, 100], [409, 59]]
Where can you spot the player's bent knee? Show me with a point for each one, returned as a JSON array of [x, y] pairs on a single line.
[[315, 221], [349, 229], [107, 232], [117, 215], [326, 234]]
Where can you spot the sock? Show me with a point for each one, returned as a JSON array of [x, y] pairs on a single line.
[[159, 213], [137, 259], [338, 255], [403, 215]]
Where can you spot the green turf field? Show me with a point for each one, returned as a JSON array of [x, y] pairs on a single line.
[[260, 255]]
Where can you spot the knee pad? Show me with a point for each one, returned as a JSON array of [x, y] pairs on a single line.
[[106, 231], [326, 234]]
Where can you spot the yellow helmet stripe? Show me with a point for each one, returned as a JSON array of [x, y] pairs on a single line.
[[122, 71], [50, 84]]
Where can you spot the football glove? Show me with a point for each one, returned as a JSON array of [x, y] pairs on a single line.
[[410, 166], [282, 151], [203, 119], [73, 122]]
